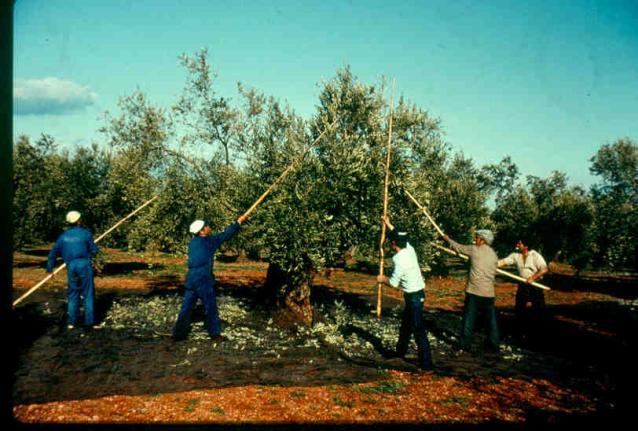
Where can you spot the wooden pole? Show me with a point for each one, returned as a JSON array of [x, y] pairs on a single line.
[[440, 247], [385, 204], [425, 211], [286, 172], [126, 218], [500, 271], [61, 267]]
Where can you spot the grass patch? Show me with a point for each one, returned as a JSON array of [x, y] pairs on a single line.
[[387, 387], [382, 372], [297, 394], [218, 410], [343, 403], [191, 405], [455, 400]]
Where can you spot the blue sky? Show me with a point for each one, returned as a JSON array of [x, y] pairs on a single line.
[[545, 82]]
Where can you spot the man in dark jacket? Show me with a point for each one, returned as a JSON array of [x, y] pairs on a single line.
[[76, 246], [200, 280]]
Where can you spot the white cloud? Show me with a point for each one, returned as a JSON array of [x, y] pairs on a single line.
[[50, 96]]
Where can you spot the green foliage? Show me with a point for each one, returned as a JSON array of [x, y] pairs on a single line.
[[615, 201], [206, 118], [499, 179], [48, 184], [207, 156], [283, 229], [459, 199], [385, 387], [34, 214], [547, 215]]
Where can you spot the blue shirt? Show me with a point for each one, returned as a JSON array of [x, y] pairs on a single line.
[[201, 251], [74, 243], [407, 273]]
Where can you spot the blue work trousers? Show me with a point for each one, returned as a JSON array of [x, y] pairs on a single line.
[[205, 291], [80, 285], [412, 323], [474, 304]]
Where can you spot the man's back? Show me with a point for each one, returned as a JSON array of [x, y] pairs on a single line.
[[74, 243], [407, 273], [483, 265]]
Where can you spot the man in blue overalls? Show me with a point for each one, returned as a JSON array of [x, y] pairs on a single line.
[[76, 246], [200, 280]]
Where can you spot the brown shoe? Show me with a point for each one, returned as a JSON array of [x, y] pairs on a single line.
[[218, 338]]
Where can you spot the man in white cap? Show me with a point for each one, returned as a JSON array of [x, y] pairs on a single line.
[[76, 246], [200, 281], [479, 290]]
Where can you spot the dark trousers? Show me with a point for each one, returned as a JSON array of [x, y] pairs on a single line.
[[525, 294], [474, 303], [206, 293], [80, 286], [412, 323]]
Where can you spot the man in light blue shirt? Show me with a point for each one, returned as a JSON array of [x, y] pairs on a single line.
[[406, 275]]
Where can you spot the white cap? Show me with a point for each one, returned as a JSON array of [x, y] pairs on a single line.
[[196, 226], [72, 217], [486, 234]]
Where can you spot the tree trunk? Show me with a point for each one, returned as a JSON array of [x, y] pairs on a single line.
[[290, 294]]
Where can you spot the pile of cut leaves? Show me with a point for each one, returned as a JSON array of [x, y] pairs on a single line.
[[353, 334]]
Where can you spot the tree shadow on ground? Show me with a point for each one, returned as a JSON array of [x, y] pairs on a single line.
[[552, 348], [31, 264], [63, 365], [37, 251], [124, 268], [165, 284], [620, 287]]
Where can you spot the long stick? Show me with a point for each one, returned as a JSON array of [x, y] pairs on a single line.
[[385, 204], [61, 267], [500, 271], [37, 286], [126, 218], [286, 172], [440, 247], [425, 211]]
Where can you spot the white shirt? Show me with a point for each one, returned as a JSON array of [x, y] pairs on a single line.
[[407, 273], [527, 267]]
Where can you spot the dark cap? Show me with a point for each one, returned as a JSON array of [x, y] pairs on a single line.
[[400, 237]]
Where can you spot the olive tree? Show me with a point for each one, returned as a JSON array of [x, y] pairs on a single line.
[[48, 183], [615, 200], [549, 215], [332, 202]]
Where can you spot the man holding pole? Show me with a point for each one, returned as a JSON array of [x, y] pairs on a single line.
[[76, 246], [531, 266], [406, 275], [200, 280], [479, 291]]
